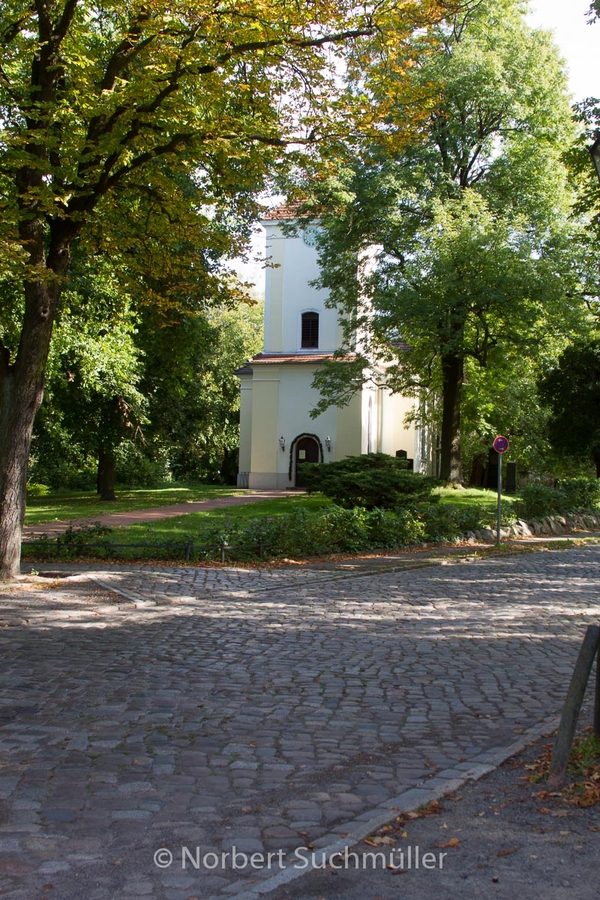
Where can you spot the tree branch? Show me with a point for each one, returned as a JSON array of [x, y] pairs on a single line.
[[4, 360], [64, 23], [12, 30]]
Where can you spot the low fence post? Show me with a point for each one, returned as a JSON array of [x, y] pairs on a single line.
[[597, 696], [568, 721], [188, 550], [223, 550]]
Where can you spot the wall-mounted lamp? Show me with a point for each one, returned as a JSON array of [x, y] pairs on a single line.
[[282, 443], [328, 444]]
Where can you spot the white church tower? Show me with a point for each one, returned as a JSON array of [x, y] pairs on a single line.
[[277, 434]]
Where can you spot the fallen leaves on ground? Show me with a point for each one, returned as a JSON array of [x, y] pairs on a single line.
[[453, 844], [395, 830], [583, 789]]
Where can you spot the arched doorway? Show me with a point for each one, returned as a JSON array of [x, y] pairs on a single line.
[[306, 451]]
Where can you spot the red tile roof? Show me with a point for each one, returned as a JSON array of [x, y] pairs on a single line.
[[284, 211], [275, 358]]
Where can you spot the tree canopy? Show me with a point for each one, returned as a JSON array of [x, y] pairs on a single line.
[[572, 390], [456, 249], [106, 107]]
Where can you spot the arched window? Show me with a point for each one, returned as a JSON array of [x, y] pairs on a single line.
[[310, 331]]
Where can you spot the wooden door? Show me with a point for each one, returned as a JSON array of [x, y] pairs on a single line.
[[307, 451]]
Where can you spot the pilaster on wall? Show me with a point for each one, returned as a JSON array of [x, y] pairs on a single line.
[[245, 424], [349, 432], [274, 290], [265, 421]]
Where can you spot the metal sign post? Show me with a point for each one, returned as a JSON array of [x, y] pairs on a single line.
[[501, 445]]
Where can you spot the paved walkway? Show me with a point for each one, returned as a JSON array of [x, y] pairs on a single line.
[[152, 514], [146, 710]]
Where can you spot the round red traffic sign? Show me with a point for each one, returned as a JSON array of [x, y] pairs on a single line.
[[501, 444]]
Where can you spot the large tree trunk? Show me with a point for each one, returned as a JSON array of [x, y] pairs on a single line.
[[452, 382], [22, 382], [107, 467], [22, 391]]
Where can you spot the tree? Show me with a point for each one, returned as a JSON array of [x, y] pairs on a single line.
[[572, 390], [144, 397], [193, 395], [94, 371], [503, 397], [97, 102], [454, 250]]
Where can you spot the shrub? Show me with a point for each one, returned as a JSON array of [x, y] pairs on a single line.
[[390, 529], [304, 533], [136, 469], [37, 490], [76, 538], [369, 481], [539, 500], [445, 522], [581, 493]]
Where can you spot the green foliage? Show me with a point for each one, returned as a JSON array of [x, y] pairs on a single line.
[[444, 522], [194, 395], [572, 391], [136, 468], [390, 529], [371, 480], [539, 500], [456, 254], [35, 489], [145, 132], [303, 533], [309, 529], [92, 403], [114, 382], [57, 459], [300, 534], [570, 495], [581, 493], [76, 537]]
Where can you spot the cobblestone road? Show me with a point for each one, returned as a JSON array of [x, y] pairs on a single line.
[[262, 710]]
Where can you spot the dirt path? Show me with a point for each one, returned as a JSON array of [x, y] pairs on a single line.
[[140, 516]]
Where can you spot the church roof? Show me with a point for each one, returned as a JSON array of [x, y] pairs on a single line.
[[278, 359], [284, 211]]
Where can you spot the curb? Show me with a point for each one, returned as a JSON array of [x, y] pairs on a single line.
[[445, 782], [128, 595]]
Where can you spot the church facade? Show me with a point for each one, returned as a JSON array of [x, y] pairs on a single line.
[[277, 433]]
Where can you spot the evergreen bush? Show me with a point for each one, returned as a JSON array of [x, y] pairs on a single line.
[[371, 480]]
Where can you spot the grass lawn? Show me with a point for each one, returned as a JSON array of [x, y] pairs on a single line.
[[486, 500], [180, 528], [62, 506], [198, 527]]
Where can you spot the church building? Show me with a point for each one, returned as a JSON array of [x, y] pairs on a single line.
[[278, 434]]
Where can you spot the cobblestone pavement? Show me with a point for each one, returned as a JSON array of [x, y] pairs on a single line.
[[261, 710]]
